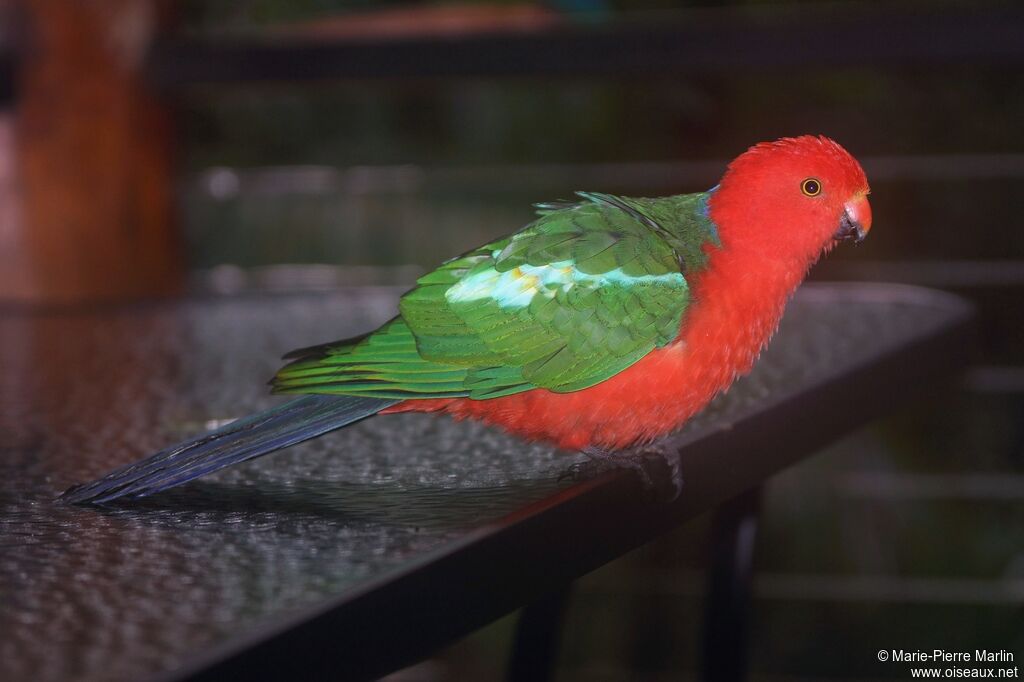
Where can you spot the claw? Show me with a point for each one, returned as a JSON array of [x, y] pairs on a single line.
[[573, 472], [640, 460], [670, 457]]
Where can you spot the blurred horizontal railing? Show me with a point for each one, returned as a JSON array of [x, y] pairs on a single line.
[[225, 182], [696, 40], [823, 587]]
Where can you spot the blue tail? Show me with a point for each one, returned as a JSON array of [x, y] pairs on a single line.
[[247, 438]]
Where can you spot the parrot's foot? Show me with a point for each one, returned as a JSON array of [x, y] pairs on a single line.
[[643, 460]]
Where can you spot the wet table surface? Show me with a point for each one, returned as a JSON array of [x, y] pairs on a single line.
[[173, 582]]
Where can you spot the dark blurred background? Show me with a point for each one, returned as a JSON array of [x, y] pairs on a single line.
[[267, 147]]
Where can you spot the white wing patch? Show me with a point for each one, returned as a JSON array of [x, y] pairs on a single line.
[[515, 288]]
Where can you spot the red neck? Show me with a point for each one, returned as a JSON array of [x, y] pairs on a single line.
[[752, 260]]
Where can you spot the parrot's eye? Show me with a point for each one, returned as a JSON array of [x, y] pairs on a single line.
[[810, 187]]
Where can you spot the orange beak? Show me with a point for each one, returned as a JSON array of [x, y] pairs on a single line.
[[856, 221]]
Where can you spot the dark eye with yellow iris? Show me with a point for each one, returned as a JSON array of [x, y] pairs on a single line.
[[810, 187]]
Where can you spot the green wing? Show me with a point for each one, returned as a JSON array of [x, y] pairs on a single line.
[[572, 299]]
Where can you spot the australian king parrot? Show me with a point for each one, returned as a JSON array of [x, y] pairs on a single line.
[[601, 326]]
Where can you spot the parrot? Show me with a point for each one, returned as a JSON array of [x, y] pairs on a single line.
[[600, 327]]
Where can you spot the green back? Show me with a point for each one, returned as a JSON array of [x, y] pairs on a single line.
[[570, 300]]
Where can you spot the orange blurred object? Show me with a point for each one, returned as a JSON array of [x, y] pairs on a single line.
[[87, 204]]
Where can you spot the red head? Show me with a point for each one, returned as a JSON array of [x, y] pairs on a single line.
[[792, 199]]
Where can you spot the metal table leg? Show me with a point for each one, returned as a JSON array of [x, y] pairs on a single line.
[[535, 648], [727, 615]]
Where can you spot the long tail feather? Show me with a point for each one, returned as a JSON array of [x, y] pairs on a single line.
[[247, 438]]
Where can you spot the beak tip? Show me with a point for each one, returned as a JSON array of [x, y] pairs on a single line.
[[856, 220]]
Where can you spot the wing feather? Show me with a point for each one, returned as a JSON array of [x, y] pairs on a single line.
[[577, 296]]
